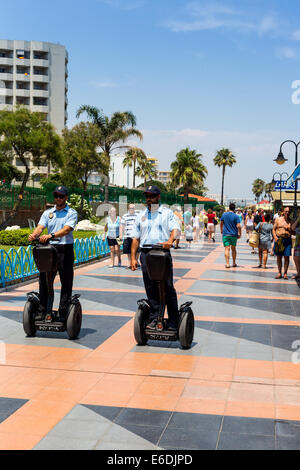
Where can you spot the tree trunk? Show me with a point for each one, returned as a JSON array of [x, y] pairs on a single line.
[[134, 173], [17, 204], [222, 190]]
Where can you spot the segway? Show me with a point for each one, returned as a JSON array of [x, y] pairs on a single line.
[[45, 256], [158, 264]]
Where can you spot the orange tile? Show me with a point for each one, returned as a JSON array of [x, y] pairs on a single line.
[[18, 441], [41, 408], [250, 392], [174, 362], [136, 363], [253, 370], [197, 405], [28, 424], [285, 395], [213, 368], [250, 409], [100, 362], [289, 412], [206, 390]]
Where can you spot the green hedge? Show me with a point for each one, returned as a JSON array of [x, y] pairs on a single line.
[[20, 237]]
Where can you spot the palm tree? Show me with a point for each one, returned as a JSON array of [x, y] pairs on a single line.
[[133, 156], [223, 159], [113, 131], [146, 170], [187, 171], [258, 187]]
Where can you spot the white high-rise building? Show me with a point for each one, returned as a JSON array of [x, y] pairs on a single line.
[[34, 74]]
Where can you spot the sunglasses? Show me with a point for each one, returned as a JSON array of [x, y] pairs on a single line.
[[59, 196]]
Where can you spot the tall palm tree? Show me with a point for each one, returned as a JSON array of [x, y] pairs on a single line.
[[258, 187], [133, 156], [223, 159], [188, 171], [146, 170], [113, 131]]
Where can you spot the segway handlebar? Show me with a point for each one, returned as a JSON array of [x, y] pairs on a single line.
[[157, 246], [37, 240]]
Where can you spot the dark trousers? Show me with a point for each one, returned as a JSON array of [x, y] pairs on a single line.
[[152, 292], [66, 273]]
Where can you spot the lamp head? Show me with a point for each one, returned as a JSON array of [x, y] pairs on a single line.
[[280, 160]]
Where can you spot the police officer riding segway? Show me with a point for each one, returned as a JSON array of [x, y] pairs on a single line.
[[54, 252], [154, 232]]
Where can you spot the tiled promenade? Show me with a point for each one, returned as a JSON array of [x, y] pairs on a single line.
[[236, 388]]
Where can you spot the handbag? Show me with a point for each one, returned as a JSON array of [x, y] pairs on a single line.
[[254, 239], [279, 247], [215, 221]]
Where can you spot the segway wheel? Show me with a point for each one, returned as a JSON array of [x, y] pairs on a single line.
[[28, 318], [140, 326], [186, 329], [74, 320]]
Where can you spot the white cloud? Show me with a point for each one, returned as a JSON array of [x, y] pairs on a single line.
[[287, 53]]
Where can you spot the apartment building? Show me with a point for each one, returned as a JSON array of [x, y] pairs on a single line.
[[34, 74]]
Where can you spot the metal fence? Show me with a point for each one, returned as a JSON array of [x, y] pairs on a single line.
[[18, 264], [36, 198]]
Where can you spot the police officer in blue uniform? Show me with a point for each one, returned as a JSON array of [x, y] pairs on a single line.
[[59, 221], [156, 224]]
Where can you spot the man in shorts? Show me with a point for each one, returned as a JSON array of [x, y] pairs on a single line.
[[231, 230]]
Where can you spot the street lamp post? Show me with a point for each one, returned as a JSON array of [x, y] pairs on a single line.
[[280, 160], [280, 179]]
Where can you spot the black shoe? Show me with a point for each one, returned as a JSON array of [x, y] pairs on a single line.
[[40, 316], [171, 325], [214, 240], [61, 317], [152, 325]]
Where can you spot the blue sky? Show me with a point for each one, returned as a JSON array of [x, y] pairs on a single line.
[[196, 73]]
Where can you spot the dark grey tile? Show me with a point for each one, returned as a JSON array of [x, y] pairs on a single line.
[[195, 421], [8, 406], [257, 333], [288, 443], [287, 429], [233, 441], [179, 438], [258, 426], [109, 412], [150, 433], [143, 417]]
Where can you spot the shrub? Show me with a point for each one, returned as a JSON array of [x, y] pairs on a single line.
[[20, 237]]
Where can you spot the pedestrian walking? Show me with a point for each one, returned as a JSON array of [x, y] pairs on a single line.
[[188, 231], [196, 226], [112, 229], [205, 221], [265, 240], [249, 226], [231, 230], [126, 227], [179, 218], [296, 257], [211, 225], [282, 233]]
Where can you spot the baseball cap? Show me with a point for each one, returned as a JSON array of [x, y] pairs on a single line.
[[152, 190], [61, 190]]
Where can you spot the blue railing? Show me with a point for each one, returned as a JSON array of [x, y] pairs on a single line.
[[18, 264]]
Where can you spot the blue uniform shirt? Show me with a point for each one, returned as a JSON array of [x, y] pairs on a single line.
[[154, 227], [55, 220]]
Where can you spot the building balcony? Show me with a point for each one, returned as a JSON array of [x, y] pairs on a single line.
[[6, 92], [6, 76], [22, 92], [40, 78], [39, 108], [22, 62], [6, 61], [6, 107], [21, 77], [40, 93], [40, 62]]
